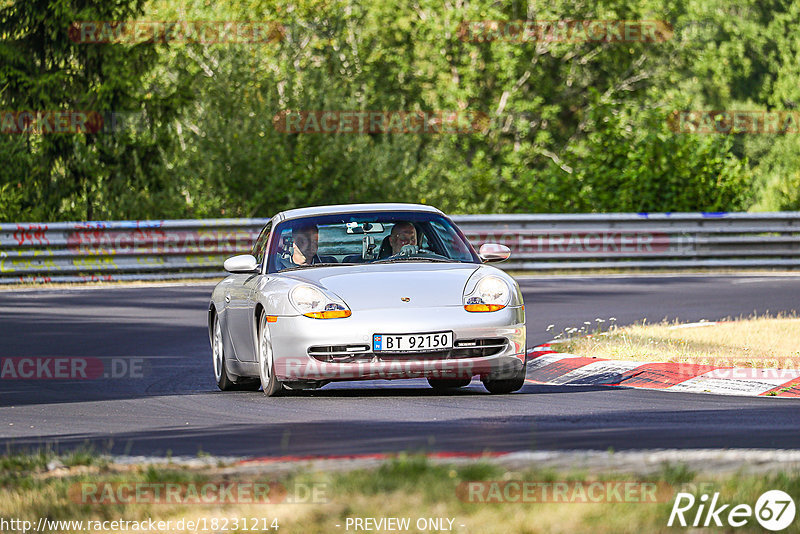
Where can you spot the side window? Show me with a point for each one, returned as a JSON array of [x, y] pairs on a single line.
[[260, 247]]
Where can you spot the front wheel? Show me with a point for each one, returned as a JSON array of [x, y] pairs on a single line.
[[224, 381], [506, 385], [266, 364]]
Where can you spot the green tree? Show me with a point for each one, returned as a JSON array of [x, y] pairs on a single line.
[[82, 175]]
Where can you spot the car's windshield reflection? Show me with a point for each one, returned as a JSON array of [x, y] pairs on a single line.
[[367, 238]]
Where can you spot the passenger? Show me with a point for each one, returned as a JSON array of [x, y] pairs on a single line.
[[305, 242], [305, 239]]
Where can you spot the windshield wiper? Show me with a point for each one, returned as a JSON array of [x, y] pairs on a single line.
[[306, 266], [414, 258]]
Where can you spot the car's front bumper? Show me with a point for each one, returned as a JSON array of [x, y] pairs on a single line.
[[292, 337]]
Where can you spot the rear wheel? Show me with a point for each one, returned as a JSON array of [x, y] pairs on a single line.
[[506, 385], [266, 364], [442, 384]]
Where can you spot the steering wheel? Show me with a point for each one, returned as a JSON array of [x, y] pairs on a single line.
[[413, 250]]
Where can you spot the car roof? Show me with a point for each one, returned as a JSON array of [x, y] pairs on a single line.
[[352, 208]]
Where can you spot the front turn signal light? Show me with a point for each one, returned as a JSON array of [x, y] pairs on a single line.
[[332, 314], [483, 307]]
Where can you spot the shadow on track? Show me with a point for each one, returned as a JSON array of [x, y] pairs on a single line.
[[746, 423]]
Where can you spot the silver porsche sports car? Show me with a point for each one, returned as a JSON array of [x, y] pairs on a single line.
[[366, 291]]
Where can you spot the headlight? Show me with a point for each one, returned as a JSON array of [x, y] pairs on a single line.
[[490, 294], [313, 303]]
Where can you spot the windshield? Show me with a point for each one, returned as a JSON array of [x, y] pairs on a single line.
[[370, 237]]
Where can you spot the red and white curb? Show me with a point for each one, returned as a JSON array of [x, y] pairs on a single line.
[[547, 366]]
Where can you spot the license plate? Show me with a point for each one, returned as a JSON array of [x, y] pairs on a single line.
[[412, 342]]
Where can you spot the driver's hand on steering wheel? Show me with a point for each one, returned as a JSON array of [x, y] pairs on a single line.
[[408, 250]]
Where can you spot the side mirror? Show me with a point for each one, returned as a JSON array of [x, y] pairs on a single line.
[[494, 252], [244, 263]]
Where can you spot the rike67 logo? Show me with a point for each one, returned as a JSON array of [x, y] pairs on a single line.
[[774, 510]]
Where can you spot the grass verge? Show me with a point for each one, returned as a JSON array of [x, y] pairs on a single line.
[[408, 486], [759, 342]]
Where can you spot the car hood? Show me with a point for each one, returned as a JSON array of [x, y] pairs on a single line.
[[365, 287]]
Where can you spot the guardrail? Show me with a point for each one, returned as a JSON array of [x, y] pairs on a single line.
[[153, 250], [642, 240]]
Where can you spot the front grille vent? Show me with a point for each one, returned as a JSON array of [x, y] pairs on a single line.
[[464, 348]]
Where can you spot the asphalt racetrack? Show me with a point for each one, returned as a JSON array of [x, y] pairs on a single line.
[[165, 400]]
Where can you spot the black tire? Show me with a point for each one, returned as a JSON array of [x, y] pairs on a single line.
[[506, 385], [266, 365], [248, 384], [224, 381], [443, 384]]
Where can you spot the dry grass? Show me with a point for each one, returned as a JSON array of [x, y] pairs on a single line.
[[762, 342], [407, 487]]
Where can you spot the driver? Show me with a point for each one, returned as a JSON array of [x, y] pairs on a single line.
[[402, 234]]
